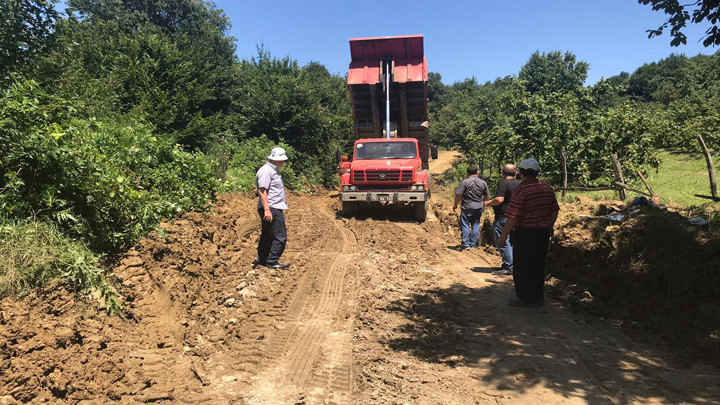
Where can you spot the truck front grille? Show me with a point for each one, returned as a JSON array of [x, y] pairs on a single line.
[[382, 175]]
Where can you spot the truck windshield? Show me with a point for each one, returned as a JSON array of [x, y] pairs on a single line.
[[386, 150]]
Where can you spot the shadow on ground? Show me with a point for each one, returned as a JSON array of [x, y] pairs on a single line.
[[519, 349], [392, 213]]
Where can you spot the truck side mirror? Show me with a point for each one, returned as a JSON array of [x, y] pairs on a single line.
[[434, 151], [338, 156]]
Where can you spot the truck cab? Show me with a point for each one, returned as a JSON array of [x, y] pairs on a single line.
[[384, 171]]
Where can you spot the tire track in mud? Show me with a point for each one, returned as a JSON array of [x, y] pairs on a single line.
[[312, 338]]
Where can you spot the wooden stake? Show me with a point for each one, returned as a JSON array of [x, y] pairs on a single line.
[[584, 188], [647, 186], [710, 166], [564, 157], [634, 190], [618, 175]]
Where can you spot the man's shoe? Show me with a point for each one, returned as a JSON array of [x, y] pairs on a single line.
[[277, 266], [256, 264], [515, 302], [502, 272]]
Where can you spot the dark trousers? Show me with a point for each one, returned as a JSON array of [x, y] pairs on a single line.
[[273, 237], [530, 247]]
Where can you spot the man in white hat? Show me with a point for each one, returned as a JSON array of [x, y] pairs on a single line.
[[531, 217], [271, 204]]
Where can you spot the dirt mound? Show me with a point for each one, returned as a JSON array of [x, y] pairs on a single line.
[[187, 290], [655, 271]]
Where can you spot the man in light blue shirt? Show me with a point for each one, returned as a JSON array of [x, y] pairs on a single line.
[[271, 204]]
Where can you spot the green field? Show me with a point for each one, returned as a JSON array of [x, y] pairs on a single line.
[[680, 177]]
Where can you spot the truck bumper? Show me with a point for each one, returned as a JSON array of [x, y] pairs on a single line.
[[391, 196]]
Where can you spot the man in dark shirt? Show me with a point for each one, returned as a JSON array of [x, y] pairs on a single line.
[[531, 217], [472, 192], [503, 195]]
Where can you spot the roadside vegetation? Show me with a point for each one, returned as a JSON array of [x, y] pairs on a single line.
[[649, 118], [115, 115]]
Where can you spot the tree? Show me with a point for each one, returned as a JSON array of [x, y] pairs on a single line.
[[680, 14], [553, 71], [305, 107], [26, 28], [170, 62], [437, 91]]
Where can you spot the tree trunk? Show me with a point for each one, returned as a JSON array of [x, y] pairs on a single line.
[[710, 166]]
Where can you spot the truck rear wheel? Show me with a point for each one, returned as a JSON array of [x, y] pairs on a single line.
[[420, 211], [348, 209], [434, 151]]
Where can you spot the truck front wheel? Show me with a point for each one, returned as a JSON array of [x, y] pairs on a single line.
[[348, 209], [420, 210]]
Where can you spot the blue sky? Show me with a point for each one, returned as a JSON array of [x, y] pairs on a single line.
[[485, 39]]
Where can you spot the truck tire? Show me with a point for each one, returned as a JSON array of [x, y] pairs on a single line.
[[420, 210], [348, 209]]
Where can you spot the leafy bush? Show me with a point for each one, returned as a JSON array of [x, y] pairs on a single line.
[[34, 254], [108, 182], [246, 157]]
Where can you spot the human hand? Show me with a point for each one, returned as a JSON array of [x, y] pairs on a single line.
[[486, 203], [455, 207], [268, 216], [501, 241]]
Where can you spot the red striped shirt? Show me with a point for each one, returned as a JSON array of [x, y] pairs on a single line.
[[532, 204]]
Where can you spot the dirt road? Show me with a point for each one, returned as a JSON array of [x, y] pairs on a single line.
[[376, 310]]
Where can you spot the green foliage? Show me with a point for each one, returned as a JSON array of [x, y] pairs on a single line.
[[169, 62], [547, 110], [553, 72], [34, 254], [25, 32], [108, 182], [306, 108], [248, 156], [437, 92], [679, 16]]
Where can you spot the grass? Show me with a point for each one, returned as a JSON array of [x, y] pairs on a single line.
[[680, 177], [35, 254]]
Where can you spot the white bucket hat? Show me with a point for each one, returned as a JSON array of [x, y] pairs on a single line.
[[278, 154], [531, 164]]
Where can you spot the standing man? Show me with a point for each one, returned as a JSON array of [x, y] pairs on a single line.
[[271, 204], [503, 196], [472, 191], [531, 217]]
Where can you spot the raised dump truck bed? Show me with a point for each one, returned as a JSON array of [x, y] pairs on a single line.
[[370, 58]]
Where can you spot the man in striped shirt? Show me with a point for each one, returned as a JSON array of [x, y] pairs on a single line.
[[531, 217]]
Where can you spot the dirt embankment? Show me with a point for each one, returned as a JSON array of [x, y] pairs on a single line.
[[652, 273], [190, 297]]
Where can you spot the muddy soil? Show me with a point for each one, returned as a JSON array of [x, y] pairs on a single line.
[[377, 309]]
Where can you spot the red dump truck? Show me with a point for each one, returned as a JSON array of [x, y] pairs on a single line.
[[388, 79]]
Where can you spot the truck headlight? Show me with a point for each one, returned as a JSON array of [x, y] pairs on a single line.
[[346, 188], [353, 188], [420, 187]]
